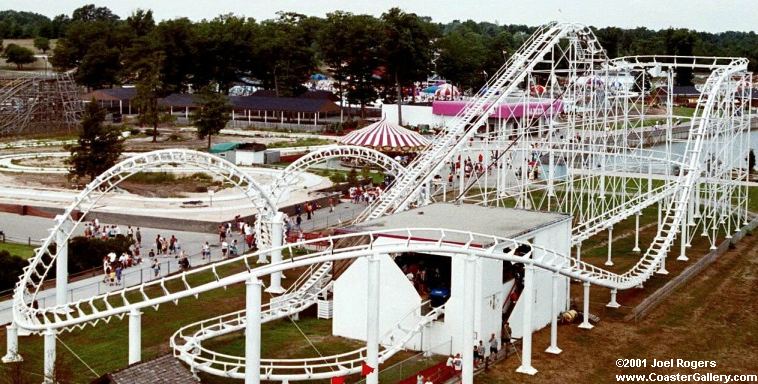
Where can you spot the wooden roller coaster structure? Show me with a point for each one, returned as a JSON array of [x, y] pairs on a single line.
[[33, 103]]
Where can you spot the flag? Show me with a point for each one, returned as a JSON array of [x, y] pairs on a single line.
[[338, 380], [366, 369]]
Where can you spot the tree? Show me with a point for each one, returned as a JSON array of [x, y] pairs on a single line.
[[22, 25], [349, 45], [149, 89], [211, 115], [407, 50], [462, 58], [100, 66], [90, 12], [143, 63], [141, 22], [681, 42], [175, 39], [226, 36], [98, 147], [286, 56], [42, 43], [93, 44], [11, 267], [19, 55], [352, 177]]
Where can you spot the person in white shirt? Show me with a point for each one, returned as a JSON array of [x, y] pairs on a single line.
[[206, 250]]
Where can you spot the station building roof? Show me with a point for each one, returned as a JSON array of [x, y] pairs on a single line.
[[504, 222]]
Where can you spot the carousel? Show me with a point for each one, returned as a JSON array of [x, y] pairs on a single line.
[[388, 138]]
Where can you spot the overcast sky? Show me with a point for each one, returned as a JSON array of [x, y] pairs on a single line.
[[703, 15]]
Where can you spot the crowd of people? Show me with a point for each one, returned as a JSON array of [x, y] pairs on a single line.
[[114, 265], [483, 354], [367, 194]]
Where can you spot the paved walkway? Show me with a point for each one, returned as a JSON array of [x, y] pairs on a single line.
[[21, 228]]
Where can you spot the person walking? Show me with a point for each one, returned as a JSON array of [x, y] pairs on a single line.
[[493, 347], [119, 272], [224, 248], [138, 237], [156, 267], [506, 338], [172, 245], [158, 243], [206, 251]]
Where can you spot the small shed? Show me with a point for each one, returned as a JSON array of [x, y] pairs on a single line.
[[245, 153]]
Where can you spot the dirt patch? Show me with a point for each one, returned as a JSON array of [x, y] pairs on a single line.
[[712, 318], [168, 185]]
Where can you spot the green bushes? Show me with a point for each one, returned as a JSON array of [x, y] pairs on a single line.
[[87, 253], [337, 177], [152, 177], [11, 267]]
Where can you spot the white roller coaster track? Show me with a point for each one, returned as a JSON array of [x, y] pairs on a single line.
[[202, 359], [34, 274], [235, 271], [428, 163], [290, 173]]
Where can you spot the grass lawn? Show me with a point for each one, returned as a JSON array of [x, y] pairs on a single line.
[[752, 196], [282, 339], [21, 250], [307, 142], [684, 111]]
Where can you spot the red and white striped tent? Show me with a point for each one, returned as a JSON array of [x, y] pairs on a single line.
[[385, 136], [447, 91]]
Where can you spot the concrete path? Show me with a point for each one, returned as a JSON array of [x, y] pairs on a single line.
[[22, 228]]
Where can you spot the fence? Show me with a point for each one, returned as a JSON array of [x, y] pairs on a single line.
[[98, 283], [337, 218]]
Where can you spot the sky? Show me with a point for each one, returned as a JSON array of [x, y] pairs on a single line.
[[701, 15]]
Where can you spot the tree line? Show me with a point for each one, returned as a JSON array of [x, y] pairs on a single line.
[[368, 56]]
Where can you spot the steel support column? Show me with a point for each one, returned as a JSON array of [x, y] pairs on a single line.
[[11, 342], [135, 336], [49, 359], [467, 342], [372, 318], [277, 235], [253, 331], [586, 315], [553, 348], [526, 338]]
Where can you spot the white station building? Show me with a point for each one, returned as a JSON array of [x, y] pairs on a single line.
[[401, 302]]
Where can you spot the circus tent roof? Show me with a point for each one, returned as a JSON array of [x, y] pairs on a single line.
[[386, 136]]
